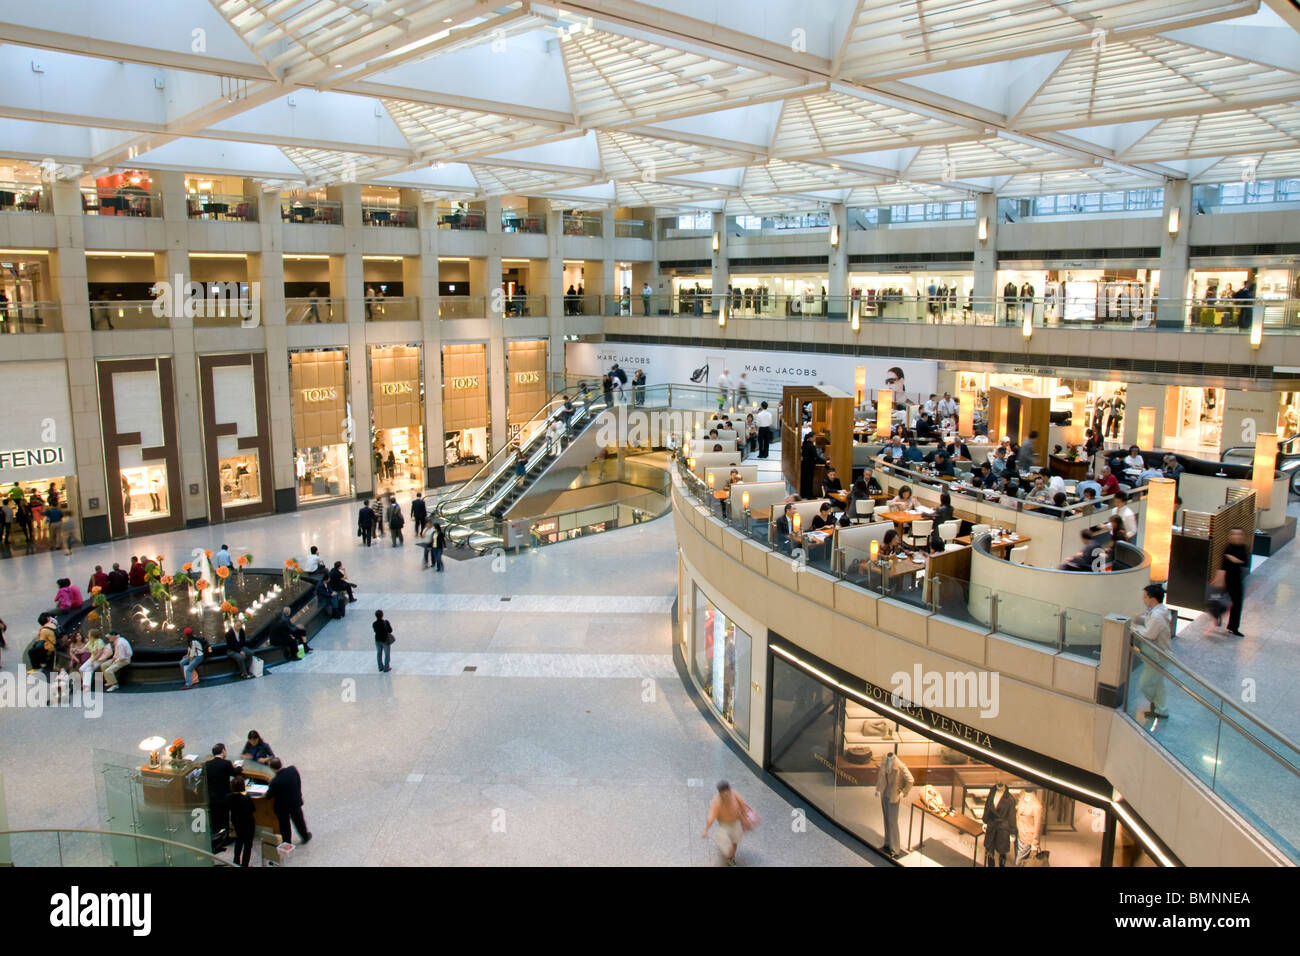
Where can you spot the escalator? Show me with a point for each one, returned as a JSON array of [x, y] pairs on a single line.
[[1288, 459], [472, 512]]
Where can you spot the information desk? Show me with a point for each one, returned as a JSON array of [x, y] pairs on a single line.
[[263, 806]]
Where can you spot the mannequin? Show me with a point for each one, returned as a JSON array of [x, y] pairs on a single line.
[[999, 824], [893, 783], [1029, 824]]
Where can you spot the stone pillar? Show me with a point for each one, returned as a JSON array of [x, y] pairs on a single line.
[[720, 268], [1245, 415], [1144, 396], [837, 284], [986, 255], [420, 279], [68, 281], [1175, 276], [554, 290]]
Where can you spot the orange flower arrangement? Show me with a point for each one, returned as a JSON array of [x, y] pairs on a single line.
[[167, 580], [289, 563], [158, 558], [96, 589], [92, 616], [201, 584], [223, 572], [187, 567], [241, 560], [208, 555], [177, 749], [228, 608]]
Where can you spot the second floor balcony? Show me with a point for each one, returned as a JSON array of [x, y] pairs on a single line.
[[221, 208], [23, 197], [384, 216], [326, 212], [121, 201]]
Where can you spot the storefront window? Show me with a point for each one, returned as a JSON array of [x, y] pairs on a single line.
[[721, 664], [397, 417], [526, 388], [144, 492], [322, 424], [1193, 420], [241, 481], [960, 810], [466, 411]]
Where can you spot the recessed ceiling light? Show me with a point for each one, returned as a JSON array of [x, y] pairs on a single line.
[[338, 66], [446, 19]]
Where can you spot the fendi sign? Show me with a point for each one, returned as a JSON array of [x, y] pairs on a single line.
[[465, 381], [395, 388], [528, 378], [319, 394]]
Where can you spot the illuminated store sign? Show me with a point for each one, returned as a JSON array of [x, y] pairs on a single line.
[[528, 378], [465, 381], [319, 394], [31, 457]]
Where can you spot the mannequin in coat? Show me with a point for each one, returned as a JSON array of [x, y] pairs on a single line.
[[1029, 825], [893, 783], [999, 824]]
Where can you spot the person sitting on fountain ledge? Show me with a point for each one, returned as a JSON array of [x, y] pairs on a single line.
[[286, 634]]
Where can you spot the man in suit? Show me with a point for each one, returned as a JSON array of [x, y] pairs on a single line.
[[419, 514], [218, 773], [286, 790], [366, 523]]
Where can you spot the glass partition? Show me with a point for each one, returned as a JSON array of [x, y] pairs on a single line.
[[720, 664]]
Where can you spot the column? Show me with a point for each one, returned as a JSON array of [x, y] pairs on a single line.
[[720, 268], [68, 280], [986, 254], [1144, 396], [1171, 308], [175, 261], [837, 284], [266, 269], [554, 290], [347, 281], [609, 288], [420, 278]]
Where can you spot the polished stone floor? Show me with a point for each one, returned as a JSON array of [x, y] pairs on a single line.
[[571, 740]]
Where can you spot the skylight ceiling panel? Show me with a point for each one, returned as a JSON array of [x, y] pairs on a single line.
[[323, 165], [630, 156], [896, 39], [502, 180], [615, 79], [1150, 75], [765, 205], [837, 123], [899, 193], [782, 176], [1231, 131], [1277, 164], [1091, 179], [990, 157], [442, 131], [661, 194]]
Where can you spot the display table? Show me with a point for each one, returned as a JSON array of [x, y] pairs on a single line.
[[963, 824]]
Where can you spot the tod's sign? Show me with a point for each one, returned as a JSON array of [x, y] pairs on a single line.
[[396, 388], [319, 394], [464, 381]]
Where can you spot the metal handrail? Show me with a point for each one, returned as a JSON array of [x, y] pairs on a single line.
[[113, 833], [1146, 646]]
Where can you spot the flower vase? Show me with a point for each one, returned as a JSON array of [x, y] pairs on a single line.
[[168, 611], [239, 576], [286, 579]]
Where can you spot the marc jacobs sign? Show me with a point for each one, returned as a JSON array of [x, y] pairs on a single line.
[[464, 381], [319, 394], [395, 388]]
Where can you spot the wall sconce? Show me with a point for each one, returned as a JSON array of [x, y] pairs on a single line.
[[983, 229], [875, 549], [884, 411], [1175, 220], [717, 241], [1027, 326], [710, 479], [1159, 529], [1146, 430], [744, 500], [1256, 327], [1078, 412], [797, 523], [1261, 472], [835, 235], [965, 413], [722, 313], [855, 315]]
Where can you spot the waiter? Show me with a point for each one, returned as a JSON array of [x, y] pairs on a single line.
[[763, 422]]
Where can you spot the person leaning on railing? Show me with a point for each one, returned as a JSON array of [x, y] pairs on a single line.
[[1154, 625]]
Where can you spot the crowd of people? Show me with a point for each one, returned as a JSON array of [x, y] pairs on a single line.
[[232, 809], [36, 521]]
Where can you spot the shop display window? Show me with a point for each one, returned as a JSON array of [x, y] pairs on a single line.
[[466, 410], [721, 664], [832, 748], [323, 472], [399, 457], [144, 492], [322, 424], [241, 479]]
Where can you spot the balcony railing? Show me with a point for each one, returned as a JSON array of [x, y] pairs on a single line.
[[401, 216], [327, 212], [454, 218], [633, 229], [523, 306], [520, 220], [215, 208], [23, 197], [586, 304], [311, 310], [391, 309], [462, 307], [583, 226], [1274, 315], [97, 201], [18, 317], [115, 315]]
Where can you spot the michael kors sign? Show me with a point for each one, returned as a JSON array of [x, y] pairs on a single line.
[[464, 381], [395, 388], [319, 394]]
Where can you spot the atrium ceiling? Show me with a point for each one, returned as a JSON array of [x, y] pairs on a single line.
[[754, 106]]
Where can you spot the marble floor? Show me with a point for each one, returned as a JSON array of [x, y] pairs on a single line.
[[533, 714]]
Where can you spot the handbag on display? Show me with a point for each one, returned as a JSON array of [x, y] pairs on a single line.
[[948, 755], [1041, 858], [877, 728], [931, 800], [858, 754]]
